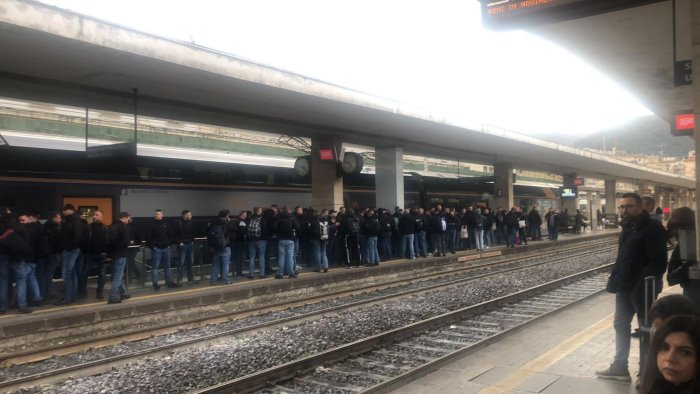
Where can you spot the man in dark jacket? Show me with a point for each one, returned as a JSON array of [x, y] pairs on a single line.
[[239, 243], [257, 241], [72, 230], [184, 237], [384, 240], [350, 226], [454, 225], [535, 221], [34, 235], [119, 250], [641, 253], [159, 239], [52, 234], [95, 255], [286, 227], [510, 227], [218, 239], [14, 252], [438, 226], [407, 231], [371, 230]]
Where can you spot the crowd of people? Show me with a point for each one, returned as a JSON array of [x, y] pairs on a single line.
[[31, 251]]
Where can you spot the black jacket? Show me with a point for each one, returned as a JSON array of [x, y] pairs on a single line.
[[453, 222], [535, 218], [52, 233], [72, 232], [511, 219], [119, 240], [183, 232], [98, 238], [387, 223], [286, 227], [264, 231], [161, 234], [38, 243], [14, 245], [406, 225], [436, 223], [641, 253], [371, 226]]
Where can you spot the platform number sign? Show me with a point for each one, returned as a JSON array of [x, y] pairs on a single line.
[[683, 74]]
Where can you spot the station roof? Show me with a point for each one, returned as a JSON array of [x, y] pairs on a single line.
[[55, 55]]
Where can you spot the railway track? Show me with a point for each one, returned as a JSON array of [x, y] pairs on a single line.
[[391, 359], [101, 363]]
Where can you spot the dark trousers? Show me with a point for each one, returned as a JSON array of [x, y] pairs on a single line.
[[384, 246], [238, 255], [438, 243], [352, 250]]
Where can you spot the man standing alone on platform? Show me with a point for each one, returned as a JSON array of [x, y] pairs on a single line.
[[641, 253]]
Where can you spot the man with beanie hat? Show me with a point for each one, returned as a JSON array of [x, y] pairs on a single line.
[[71, 234]]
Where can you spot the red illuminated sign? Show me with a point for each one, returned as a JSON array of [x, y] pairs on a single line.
[[326, 154], [579, 182], [683, 123], [667, 210]]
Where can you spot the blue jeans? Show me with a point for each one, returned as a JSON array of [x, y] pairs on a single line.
[[318, 250], [4, 280], [385, 247], [295, 260], [479, 238], [26, 279], [451, 239], [70, 276], [159, 256], [118, 288], [219, 265], [238, 253], [535, 232], [285, 254], [627, 304], [422, 243], [256, 247], [185, 253], [407, 239], [510, 236], [372, 251], [554, 233], [489, 238]]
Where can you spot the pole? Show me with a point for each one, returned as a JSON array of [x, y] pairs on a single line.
[[136, 112]]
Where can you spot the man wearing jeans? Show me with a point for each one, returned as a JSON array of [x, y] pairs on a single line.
[[71, 234], [159, 239], [407, 231], [641, 253], [119, 248], [219, 239], [285, 226], [257, 242], [185, 246]]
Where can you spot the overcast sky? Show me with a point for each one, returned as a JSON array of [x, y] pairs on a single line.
[[433, 55]]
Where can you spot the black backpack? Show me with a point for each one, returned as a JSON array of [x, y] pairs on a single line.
[[354, 226], [217, 237]]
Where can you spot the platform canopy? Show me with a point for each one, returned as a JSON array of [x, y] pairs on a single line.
[[54, 55]]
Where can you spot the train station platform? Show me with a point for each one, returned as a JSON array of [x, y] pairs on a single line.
[[243, 294], [555, 355]]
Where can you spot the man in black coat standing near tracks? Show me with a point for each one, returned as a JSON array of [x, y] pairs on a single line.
[[641, 253]]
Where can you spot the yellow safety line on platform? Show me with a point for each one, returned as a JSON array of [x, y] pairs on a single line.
[[546, 360]]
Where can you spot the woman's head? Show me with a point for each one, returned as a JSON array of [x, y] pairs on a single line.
[[673, 358], [681, 219]]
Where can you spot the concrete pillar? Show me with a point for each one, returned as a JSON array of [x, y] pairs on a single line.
[[503, 185], [389, 178], [610, 200], [570, 204], [326, 186]]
